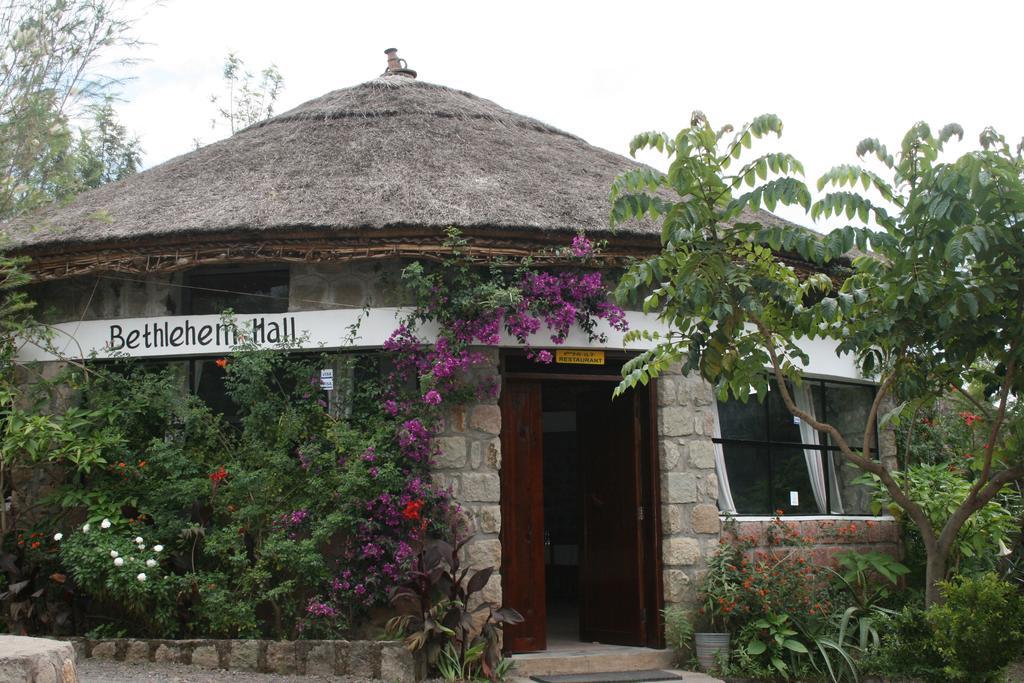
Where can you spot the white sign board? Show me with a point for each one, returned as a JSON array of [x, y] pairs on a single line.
[[205, 335]]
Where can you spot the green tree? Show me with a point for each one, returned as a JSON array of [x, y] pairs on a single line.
[[48, 53], [106, 151], [937, 304], [247, 99]]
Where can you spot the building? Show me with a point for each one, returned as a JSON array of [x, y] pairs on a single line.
[[299, 222]]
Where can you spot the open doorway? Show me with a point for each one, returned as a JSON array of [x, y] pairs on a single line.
[[580, 546], [563, 511]]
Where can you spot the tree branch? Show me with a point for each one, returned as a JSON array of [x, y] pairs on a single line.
[[914, 510]]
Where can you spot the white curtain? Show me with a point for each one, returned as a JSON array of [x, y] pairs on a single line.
[[815, 464], [725, 501]]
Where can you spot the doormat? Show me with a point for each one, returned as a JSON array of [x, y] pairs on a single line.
[[611, 677]]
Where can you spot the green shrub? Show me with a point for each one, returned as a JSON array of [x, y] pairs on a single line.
[[971, 638], [980, 628], [678, 631], [907, 648]]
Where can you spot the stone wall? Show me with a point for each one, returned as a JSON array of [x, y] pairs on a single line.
[[469, 462], [311, 287], [689, 486], [367, 660], [36, 660], [825, 536]]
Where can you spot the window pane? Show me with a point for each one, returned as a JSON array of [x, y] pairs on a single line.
[[208, 384], [742, 420], [782, 426], [748, 478], [254, 291], [790, 480], [856, 498], [846, 408]]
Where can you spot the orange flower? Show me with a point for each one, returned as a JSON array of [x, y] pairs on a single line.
[[142, 463], [221, 362]]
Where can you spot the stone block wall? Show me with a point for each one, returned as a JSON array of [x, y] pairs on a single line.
[[825, 536], [689, 485], [469, 462], [311, 287], [366, 660]]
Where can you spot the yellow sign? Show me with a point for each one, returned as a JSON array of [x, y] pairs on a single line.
[[576, 357]]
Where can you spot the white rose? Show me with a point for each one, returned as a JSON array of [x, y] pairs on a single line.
[[158, 548], [118, 561], [141, 546], [85, 528], [151, 563], [138, 539], [105, 524], [113, 553], [141, 576], [57, 536]]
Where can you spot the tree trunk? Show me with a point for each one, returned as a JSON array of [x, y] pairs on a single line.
[[935, 571]]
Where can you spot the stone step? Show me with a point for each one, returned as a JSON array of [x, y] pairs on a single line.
[[588, 658]]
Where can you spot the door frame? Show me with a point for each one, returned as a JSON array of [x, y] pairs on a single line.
[[650, 486]]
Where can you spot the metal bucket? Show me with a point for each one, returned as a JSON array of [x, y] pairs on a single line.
[[709, 645]]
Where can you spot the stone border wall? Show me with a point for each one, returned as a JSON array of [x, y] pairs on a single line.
[[366, 659], [36, 660], [826, 536]]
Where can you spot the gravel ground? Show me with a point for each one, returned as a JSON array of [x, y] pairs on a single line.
[[107, 671]]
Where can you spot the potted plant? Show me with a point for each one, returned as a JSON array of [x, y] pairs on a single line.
[[718, 593]]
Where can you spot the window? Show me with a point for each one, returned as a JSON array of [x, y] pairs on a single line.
[[211, 291], [768, 460], [249, 290]]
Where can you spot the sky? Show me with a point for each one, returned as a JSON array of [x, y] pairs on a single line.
[[834, 72]]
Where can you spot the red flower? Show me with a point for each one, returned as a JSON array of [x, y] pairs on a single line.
[[216, 478], [969, 418], [221, 362], [412, 509]]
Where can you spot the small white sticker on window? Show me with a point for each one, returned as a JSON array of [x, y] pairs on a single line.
[[794, 498], [796, 420]]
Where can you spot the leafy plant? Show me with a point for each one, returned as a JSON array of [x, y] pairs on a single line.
[[860, 573], [979, 629], [932, 303], [678, 631], [771, 638], [720, 587], [938, 489], [438, 614], [907, 648]]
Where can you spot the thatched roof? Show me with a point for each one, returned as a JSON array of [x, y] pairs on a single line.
[[392, 152], [373, 170]]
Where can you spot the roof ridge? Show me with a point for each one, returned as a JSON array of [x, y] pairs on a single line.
[[318, 108]]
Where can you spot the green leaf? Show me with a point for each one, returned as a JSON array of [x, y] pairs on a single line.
[[795, 646], [756, 647]]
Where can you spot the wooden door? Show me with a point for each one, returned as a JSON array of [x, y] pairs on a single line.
[[522, 515], [611, 558]]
